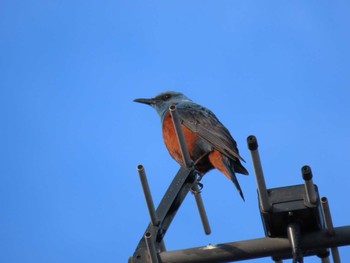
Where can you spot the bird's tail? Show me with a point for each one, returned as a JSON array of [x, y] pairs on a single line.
[[238, 167], [230, 166], [227, 167]]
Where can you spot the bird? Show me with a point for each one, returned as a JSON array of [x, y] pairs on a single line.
[[209, 142]]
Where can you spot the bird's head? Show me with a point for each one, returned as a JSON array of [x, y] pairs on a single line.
[[164, 100]]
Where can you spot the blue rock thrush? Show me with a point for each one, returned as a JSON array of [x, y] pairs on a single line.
[[209, 143]]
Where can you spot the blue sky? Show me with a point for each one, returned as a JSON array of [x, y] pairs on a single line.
[[71, 136]]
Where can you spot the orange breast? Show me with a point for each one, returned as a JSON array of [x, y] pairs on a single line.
[[171, 142]]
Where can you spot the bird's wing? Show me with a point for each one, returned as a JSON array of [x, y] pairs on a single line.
[[203, 122]]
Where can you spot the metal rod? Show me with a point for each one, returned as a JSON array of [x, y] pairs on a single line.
[[180, 136], [335, 255], [166, 211], [148, 196], [309, 185], [330, 229], [201, 209], [259, 175], [151, 248], [327, 216], [256, 248], [293, 232], [188, 163]]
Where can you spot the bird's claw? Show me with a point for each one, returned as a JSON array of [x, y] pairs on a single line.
[[197, 188], [199, 177], [200, 186]]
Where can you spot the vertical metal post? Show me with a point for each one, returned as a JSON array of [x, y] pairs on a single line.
[[188, 163], [293, 232], [309, 185], [325, 260], [201, 210], [330, 229], [151, 248], [259, 175], [180, 136], [148, 196]]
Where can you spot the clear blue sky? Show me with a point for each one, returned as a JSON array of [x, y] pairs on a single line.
[[71, 137]]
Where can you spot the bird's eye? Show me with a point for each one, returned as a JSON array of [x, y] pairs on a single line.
[[166, 97]]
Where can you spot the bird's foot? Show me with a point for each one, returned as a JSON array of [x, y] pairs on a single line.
[[200, 186], [197, 188], [199, 177]]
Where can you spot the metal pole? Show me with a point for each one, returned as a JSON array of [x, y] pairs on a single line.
[[166, 211], [256, 248], [201, 210], [309, 185], [148, 196], [293, 232], [188, 163], [330, 228], [151, 248], [180, 136], [259, 175], [325, 260]]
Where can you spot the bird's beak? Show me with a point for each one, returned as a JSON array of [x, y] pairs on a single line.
[[151, 101]]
